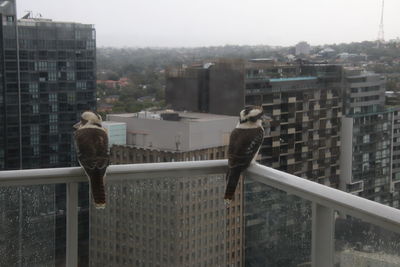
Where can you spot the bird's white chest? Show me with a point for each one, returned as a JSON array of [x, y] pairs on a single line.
[[249, 125]]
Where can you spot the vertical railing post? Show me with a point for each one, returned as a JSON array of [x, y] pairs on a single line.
[[323, 229], [72, 225]]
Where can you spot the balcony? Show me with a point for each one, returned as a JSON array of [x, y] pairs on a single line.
[[288, 221]]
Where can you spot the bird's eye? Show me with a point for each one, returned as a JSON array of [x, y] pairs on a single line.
[[83, 121]]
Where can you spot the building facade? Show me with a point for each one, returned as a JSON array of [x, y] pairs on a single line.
[[369, 161], [212, 87], [330, 125], [305, 107], [179, 221], [304, 102]]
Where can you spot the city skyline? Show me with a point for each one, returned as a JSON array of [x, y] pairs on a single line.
[[177, 23]]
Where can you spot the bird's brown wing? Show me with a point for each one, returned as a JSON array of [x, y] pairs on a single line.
[[243, 145], [92, 148]]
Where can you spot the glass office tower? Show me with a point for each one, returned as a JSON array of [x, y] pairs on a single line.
[[47, 79]]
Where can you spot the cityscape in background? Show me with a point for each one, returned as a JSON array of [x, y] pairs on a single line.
[[335, 113]]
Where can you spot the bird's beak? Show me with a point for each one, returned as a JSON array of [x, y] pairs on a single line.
[[77, 125]]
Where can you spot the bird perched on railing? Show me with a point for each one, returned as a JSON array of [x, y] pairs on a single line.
[[244, 144], [92, 148]]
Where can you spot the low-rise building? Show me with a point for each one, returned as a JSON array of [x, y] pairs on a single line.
[[186, 215]]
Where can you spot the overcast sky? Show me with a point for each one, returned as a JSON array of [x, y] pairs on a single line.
[[177, 23]]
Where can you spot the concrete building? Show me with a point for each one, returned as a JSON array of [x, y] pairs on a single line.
[[302, 48], [47, 79], [123, 154], [215, 88], [304, 101], [395, 164], [330, 125], [176, 131], [369, 163], [172, 222]]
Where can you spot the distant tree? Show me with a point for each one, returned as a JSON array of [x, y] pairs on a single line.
[[112, 76]]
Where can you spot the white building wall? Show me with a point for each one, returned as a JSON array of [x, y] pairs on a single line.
[[183, 135]]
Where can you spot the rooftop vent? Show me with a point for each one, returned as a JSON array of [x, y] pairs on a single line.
[[169, 115]]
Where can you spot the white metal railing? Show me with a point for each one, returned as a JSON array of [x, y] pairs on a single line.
[[325, 200]]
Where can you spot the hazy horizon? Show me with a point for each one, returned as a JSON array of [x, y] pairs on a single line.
[[190, 24]]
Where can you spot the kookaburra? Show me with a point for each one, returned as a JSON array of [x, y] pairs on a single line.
[[92, 148], [244, 144]]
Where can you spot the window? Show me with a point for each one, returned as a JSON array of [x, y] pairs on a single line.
[[10, 18], [366, 139], [52, 65], [35, 108], [34, 139], [70, 75], [41, 65], [53, 118], [53, 97], [71, 98], [52, 76], [33, 89], [34, 129], [35, 150], [54, 107], [53, 159], [81, 85], [53, 128], [54, 148]]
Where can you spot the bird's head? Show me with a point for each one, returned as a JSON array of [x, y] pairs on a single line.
[[253, 114], [89, 118]]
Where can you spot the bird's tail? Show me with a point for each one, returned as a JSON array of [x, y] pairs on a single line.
[[232, 178], [98, 191]]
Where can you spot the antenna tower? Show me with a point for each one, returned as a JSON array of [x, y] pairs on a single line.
[[381, 35]]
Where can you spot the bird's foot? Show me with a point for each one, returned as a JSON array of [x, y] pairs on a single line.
[[227, 202], [100, 206]]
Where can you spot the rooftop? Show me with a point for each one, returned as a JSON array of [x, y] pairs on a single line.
[[50, 22], [113, 123], [183, 115]]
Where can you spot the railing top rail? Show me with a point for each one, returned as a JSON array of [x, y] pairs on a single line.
[[341, 201], [367, 210], [114, 172]]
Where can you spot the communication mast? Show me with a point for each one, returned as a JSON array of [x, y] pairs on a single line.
[[381, 35]]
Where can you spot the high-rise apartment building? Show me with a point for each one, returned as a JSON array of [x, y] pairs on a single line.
[[305, 107], [47, 80], [395, 164], [215, 87], [369, 161], [178, 221], [329, 125], [304, 102]]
